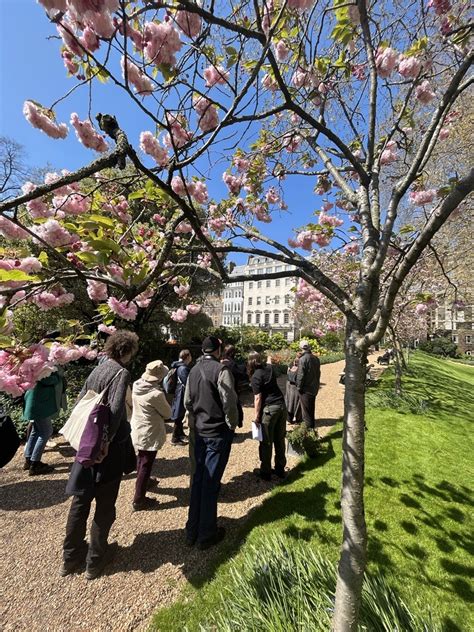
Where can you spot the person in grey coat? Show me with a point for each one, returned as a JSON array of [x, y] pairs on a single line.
[[101, 482], [308, 378]]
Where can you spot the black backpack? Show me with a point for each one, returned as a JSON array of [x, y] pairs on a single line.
[[170, 381]]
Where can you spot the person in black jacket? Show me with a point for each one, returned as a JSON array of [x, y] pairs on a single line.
[[308, 378], [178, 411], [101, 482], [211, 399]]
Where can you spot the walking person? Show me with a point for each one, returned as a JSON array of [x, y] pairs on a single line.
[[211, 398], [292, 396], [101, 482], [150, 409], [308, 377], [182, 367], [270, 414], [42, 404]]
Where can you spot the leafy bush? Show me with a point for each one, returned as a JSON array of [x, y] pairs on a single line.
[[315, 345], [304, 439], [287, 586], [441, 346], [328, 358]]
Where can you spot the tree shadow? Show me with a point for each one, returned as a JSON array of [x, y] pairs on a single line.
[[33, 494]]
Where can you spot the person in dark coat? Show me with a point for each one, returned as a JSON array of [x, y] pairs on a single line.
[[292, 396], [101, 482], [42, 404], [308, 378], [178, 411], [240, 377]]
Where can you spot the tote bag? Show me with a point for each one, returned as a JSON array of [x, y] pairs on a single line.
[[74, 427]]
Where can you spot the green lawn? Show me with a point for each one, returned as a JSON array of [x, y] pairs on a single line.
[[418, 504]]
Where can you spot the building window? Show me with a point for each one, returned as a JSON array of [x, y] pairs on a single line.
[[268, 270], [259, 300], [468, 339], [250, 300], [460, 316], [277, 300], [249, 319], [455, 338], [277, 282], [259, 284], [251, 285], [469, 352], [286, 318], [276, 318], [288, 281], [269, 283], [287, 299], [267, 319], [278, 268], [257, 318]]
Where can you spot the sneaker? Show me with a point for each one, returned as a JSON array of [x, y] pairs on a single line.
[[280, 473], [218, 537], [179, 441], [27, 464], [94, 571], [146, 503], [38, 467]]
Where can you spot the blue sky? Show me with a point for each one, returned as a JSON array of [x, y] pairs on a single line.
[[31, 68]]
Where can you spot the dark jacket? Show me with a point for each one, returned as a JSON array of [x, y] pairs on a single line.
[[177, 407], [309, 374], [120, 457]]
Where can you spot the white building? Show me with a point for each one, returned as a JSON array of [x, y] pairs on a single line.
[[267, 304], [233, 300]]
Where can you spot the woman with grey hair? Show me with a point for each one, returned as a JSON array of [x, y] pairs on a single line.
[[101, 482]]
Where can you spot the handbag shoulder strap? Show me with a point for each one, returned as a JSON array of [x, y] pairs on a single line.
[[105, 392]]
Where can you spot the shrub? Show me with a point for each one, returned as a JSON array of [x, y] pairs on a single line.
[[286, 585], [441, 346], [304, 440]]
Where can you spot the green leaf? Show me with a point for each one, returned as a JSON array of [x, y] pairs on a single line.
[[101, 220], [137, 195], [43, 258], [16, 275], [88, 257], [105, 245]]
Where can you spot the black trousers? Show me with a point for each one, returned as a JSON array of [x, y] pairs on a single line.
[[308, 404], [74, 547]]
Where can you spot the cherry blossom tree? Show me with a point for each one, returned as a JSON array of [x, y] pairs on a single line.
[[329, 94]]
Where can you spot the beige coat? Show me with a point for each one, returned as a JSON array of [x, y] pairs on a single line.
[[150, 409]]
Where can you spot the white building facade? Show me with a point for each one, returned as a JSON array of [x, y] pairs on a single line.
[[267, 304]]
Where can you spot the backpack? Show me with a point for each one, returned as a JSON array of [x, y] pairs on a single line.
[[170, 381]]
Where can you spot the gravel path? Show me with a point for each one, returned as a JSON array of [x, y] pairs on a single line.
[[152, 563]]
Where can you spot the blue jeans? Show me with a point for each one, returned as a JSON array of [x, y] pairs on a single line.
[[40, 433], [211, 459]]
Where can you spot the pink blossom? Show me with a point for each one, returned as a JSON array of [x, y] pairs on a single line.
[[97, 291], [269, 83], [444, 133], [30, 265], [162, 43], [233, 183], [281, 50], [178, 185], [43, 119], [82, 6], [262, 214], [143, 300], [424, 93], [409, 67], [352, 249], [89, 40], [216, 75], [54, 5], [193, 308], [159, 219], [143, 85], [67, 32], [292, 142], [385, 61], [330, 221], [389, 154], [200, 193], [300, 5], [358, 70], [53, 233], [87, 135], [204, 261], [73, 204], [189, 23], [178, 136], [150, 145], [71, 66], [207, 111], [302, 78], [49, 299], [217, 224], [440, 6], [182, 290], [62, 354], [132, 33], [10, 230], [272, 196], [179, 315], [421, 309], [183, 228], [422, 197], [124, 309], [242, 164], [106, 329]]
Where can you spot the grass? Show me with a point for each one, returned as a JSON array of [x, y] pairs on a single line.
[[418, 506]]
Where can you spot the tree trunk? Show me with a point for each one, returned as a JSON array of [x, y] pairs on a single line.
[[354, 544]]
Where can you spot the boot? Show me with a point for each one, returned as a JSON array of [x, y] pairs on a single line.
[[38, 467], [27, 464]]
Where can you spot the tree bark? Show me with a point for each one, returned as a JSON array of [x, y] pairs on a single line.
[[354, 544]]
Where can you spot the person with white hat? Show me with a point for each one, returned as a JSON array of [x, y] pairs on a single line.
[[308, 377], [150, 409]]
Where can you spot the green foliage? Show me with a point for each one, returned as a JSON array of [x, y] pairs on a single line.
[[314, 344], [442, 346], [283, 585], [304, 440], [247, 338]]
